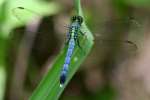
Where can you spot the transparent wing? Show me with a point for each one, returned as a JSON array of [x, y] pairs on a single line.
[[28, 16], [116, 46], [36, 27], [117, 34], [114, 33], [24, 15]]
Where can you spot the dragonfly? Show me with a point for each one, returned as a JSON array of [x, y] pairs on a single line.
[[74, 30]]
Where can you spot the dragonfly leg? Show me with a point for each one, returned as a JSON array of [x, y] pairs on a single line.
[[68, 27], [78, 43], [76, 38], [81, 33]]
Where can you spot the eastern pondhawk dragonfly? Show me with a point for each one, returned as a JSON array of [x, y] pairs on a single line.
[[72, 38]]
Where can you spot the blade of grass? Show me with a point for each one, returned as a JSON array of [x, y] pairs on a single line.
[[3, 50], [3, 65], [49, 88], [8, 23]]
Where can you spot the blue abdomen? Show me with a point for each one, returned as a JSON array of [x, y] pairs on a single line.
[[65, 69]]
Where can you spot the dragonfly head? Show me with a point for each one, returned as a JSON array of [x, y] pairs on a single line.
[[78, 19]]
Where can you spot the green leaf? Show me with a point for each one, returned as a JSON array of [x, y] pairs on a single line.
[[8, 22], [43, 8], [49, 88], [2, 82], [139, 3]]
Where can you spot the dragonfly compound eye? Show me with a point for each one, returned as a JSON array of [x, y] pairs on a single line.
[[74, 18], [79, 19]]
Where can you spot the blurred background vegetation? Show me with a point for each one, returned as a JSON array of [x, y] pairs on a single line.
[[113, 71]]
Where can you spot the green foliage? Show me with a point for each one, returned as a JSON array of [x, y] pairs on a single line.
[[43, 8], [49, 88], [8, 22], [106, 93], [139, 3]]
